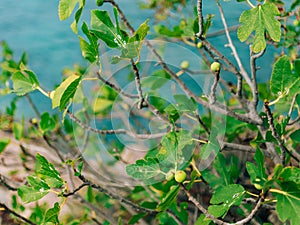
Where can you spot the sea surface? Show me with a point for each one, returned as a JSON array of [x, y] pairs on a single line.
[[33, 26]]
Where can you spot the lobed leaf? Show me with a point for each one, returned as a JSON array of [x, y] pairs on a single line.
[[224, 198], [260, 19], [288, 202], [144, 169]]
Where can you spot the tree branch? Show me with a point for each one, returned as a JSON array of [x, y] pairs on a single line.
[[253, 58], [220, 222], [274, 133], [200, 19], [4, 207], [142, 102], [117, 197], [119, 131]]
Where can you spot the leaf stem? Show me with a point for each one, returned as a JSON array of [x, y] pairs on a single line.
[[43, 91]]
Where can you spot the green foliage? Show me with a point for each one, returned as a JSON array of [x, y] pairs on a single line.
[[65, 92], [224, 198], [51, 215], [66, 8], [284, 82], [24, 81], [190, 165], [260, 19]]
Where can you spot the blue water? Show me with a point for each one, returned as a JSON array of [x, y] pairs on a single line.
[[33, 26]]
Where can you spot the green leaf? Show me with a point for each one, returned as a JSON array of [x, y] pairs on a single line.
[[260, 19], [37, 189], [24, 82], [288, 202], [3, 143], [223, 170], [47, 123], [260, 160], [134, 219], [211, 146], [134, 44], [176, 150], [202, 220], [169, 198], [66, 7], [185, 104], [48, 172], [89, 50], [224, 198], [104, 29], [290, 174], [65, 91], [52, 214], [282, 78], [295, 136], [144, 169], [74, 25]]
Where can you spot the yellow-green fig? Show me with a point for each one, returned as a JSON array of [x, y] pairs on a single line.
[[184, 64], [180, 176], [215, 66]]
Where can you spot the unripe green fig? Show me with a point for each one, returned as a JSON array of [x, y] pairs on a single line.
[[215, 66], [199, 44], [180, 176], [99, 2], [296, 23], [169, 176], [184, 64]]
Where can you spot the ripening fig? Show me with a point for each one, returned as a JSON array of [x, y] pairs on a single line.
[[215, 66], [184, 64], [180, 176], [296, 23]]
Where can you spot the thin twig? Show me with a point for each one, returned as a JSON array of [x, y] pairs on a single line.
[[274, 132], [118, 131], [2, 205], [75, 190], [200, 19], [231, 45], [220, 222], [292, 106], [35, 109], [213, 88], [253, 58], [57, 151], [136, 72], [116, 196], [5, 184], [221, 32], [116, 88]]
